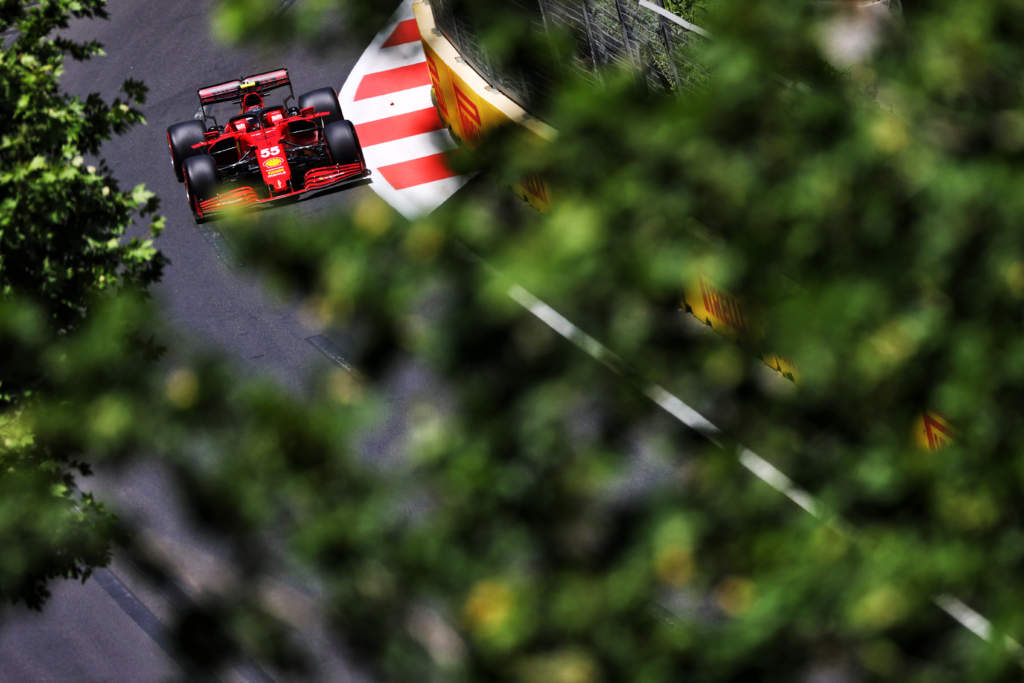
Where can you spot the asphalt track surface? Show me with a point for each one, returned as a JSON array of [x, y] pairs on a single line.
[[109, 628]]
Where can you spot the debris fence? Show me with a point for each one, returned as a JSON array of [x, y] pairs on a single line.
[[604, 33]]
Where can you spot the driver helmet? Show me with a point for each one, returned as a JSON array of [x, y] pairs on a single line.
[[252, 101]]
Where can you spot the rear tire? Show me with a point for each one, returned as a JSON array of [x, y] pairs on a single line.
[[180, 138], [200, 181], [342, 143], [323, 100]]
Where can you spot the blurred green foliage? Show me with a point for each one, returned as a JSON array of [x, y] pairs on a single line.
[[694, 11], [850, 178], [62, 245]]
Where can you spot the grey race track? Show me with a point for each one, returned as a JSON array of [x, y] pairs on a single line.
[[103, 631]]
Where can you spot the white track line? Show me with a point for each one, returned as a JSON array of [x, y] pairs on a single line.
[[767, 472], [972, 621], [682, 412], [669, 402], [761, 468]]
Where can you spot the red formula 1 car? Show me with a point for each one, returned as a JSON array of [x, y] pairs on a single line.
[[263, 153]]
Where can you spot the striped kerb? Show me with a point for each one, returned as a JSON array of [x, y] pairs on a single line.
[[405, 32], [416, 172], [396, 127], [393, 80]]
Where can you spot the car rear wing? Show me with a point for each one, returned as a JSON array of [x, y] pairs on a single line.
[[234, 91]]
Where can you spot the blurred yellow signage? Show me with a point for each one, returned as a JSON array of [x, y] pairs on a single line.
[[715, 307], [468, 105], [932, 431], [724, 313]]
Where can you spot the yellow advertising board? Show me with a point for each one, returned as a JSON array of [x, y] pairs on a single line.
[[724, 313], [716, 307], [469, 105]]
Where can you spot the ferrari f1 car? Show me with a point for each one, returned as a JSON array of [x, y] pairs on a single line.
[[263, 153]]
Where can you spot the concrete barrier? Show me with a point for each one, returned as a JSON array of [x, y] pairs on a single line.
[[468, 104]]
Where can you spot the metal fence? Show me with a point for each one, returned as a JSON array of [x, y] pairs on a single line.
[[624, 32], [604, 32]]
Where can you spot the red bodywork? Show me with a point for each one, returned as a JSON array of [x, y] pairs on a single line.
[[266, 137]]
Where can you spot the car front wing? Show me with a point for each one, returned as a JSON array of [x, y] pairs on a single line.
[[314, 179]]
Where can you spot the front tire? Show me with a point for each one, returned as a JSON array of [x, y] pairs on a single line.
[[342, 143], [200, 181], [323, 100], [180, 138]]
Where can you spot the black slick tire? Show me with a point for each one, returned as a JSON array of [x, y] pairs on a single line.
[[180, 138], [200, 181], [342, 143], [323, 100]]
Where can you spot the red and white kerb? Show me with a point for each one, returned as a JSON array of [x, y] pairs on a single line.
[[387, 97]]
